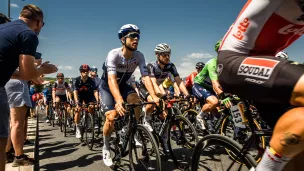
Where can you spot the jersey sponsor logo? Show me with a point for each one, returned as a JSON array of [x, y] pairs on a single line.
[[242, 28], [254, 81], [291, 28], [219, 69], [257, 67]]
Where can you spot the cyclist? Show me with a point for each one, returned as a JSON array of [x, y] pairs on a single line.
[[85, 92], [94, 76], [118, 68], [159, 71], [190, 79], [205, 92], [169, 87], [248, 67], [59, 93], [47, 97], [282, 54]]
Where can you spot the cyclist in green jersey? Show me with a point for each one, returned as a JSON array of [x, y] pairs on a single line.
[[203, 91]]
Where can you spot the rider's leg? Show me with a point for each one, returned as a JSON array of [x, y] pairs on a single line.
[[210, 104], [288, 135], [147, 117], [57, 100], [108, 126], [133, 98]]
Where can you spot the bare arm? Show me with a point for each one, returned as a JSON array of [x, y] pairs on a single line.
[[217, 87], [54, 96], [176, 89], [96, 95], [156, 88], [161, 88], [149, 86], [181, 85], [27, 68], [76, 96]]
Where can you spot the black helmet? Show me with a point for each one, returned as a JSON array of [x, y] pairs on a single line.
[[200, 65]]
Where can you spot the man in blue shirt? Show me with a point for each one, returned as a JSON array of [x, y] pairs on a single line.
[[18, 44]]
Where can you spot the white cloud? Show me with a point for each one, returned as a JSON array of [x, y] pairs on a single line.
[[14, 5], [65, 67], [199, 55]]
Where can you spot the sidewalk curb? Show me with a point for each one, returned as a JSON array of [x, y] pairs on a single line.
[[28, 150]]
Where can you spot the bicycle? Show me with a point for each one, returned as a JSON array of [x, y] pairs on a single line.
[[237, 153], [180, 133], [87, 125], [128, 125]]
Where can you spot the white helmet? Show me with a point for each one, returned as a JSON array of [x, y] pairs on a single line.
[[126, 29], [163, 47], [282, 55]]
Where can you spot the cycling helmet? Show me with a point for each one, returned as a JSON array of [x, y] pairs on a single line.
[[60, 75], [162, 48], [199, 65], [282, 55], [84, 67], [126, 29], [94, 69], [217, 45]]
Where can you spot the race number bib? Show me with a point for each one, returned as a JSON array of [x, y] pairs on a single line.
[[237, 113]]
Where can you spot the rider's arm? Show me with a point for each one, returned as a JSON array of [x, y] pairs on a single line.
[[151, 73], [178, 81], [95, 91], [161, 88], [146, 78], [69, 92], [176, 89], [214, 78], [54, 92]]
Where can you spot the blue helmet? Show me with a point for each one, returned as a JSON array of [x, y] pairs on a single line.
[[126, 29]]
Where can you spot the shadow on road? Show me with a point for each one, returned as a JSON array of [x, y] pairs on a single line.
[[82, 161]]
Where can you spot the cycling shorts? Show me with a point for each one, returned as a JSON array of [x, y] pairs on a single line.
[[143, 92], [108, 102], [264, 79], [87, 99], [62, 98], [201, 93]]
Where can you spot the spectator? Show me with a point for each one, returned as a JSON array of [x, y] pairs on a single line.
[[18, 45]]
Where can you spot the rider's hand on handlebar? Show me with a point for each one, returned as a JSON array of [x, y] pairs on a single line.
[[226, 102], [119, 107]]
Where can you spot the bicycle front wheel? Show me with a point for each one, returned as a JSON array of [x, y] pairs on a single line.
[[143, 150], [210, 154], [89, 130]]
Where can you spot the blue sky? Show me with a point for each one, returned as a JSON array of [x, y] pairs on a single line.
[[78, 31]]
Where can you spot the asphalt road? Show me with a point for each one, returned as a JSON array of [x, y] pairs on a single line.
[[57, 152]]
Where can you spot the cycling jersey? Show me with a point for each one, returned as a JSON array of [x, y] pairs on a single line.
[[167, 83], [85, 89], [97, 81], [47, 93], [155, 70], [190, 80], [117, 64], [247, 65], [209, 70], [265, 28], [60, 89]]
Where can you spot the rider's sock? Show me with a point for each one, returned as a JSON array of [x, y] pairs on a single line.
[[271, 160], [106, 142], [201, 115]]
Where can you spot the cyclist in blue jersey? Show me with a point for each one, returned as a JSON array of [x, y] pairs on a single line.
[[47, 97]]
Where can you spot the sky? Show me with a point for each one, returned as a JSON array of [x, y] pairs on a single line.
[[83, 32]]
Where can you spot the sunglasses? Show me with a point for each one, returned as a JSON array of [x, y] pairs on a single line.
[[84, 71], [93, 70], [133, 36], [60, 78], [36, 15], [165, 54]]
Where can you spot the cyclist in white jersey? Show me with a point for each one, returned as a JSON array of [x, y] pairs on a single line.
[[61, 90], [247, 66], [118, 68]]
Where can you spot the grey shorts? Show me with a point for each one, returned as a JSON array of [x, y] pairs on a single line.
[[18, 93], [4, 114]]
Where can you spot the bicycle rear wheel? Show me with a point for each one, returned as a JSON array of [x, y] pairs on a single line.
[[210, 154], [64, 117], [145, 156], [60, 120]]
